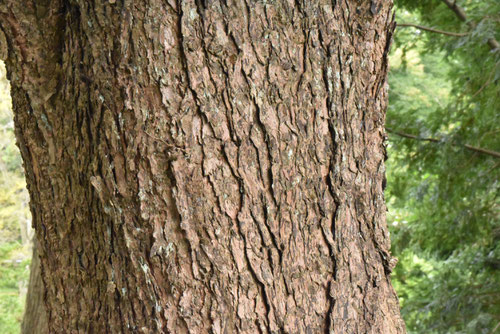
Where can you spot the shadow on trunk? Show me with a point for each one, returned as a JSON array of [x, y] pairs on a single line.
[[35, 318]]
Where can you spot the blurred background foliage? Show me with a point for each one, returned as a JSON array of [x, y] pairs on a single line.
[[443, 198], [15, 223]]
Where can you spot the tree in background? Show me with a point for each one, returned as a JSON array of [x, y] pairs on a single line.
[[206, 166], [444, 175]]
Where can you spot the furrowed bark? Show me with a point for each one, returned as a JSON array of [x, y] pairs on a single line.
[[206, 166]]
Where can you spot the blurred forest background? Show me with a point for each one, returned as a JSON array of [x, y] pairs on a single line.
[[15, 222], [443, 172]]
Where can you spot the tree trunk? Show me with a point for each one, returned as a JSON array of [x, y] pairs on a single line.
[[206, 166], [35, 316]]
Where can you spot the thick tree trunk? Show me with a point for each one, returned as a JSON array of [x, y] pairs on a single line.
[[206, 166]]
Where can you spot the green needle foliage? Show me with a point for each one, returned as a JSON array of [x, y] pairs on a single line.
[[443, 194]]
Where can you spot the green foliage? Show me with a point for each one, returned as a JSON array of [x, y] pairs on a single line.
[[444, 198], [14, 272]]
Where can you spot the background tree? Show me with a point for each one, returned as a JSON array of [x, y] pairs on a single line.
[[206, 166], [443, 180]]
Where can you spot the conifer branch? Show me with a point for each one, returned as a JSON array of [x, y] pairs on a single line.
[[448, 33], [435, 140], [460, 13]]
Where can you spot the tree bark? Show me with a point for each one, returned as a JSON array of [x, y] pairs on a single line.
[[35, 316], [206, 166]]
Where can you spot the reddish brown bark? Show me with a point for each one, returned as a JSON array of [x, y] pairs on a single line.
[[206, 166]]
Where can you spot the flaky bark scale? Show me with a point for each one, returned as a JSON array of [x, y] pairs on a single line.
[[206, 166]]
